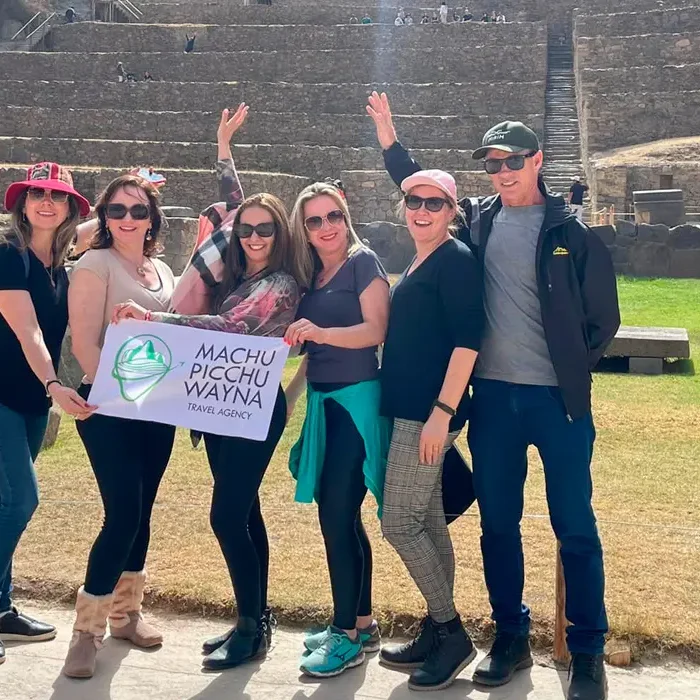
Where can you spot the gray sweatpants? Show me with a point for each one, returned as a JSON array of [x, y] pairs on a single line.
[[413, 520]]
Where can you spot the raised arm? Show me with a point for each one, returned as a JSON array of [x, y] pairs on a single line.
[[230, 190], [397, 159]]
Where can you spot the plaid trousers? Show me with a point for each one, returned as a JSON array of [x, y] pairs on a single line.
[[414, 520]]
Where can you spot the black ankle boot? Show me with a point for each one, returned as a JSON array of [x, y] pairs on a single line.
[[411, 654], [588, 680], [247, 642], [452, 651], [215, 642], [509, 653]]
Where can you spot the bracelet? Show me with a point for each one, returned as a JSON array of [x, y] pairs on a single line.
[[443, 407], [49, 383], [147, 316]]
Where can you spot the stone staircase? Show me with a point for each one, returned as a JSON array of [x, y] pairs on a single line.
[[562, 141]]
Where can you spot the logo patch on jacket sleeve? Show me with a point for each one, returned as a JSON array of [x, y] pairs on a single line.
[[560, 251]]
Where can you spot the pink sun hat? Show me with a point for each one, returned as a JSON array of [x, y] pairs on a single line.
[[49, 176], [435, 178]]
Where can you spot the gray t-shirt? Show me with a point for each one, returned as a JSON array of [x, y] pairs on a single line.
[[514, 348], [337, 305]]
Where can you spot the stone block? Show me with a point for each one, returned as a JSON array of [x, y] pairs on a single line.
[[632, 341], [626, 228], [685, 263], [620, 254], [52, 428], [605, 233], [179, 212], [391, 242], [69, 370], [685, 237], [652, 233], [650, 259]]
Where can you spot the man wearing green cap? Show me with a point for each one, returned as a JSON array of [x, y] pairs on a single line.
[[551, 306]]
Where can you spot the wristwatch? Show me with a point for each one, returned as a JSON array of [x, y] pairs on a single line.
[[443, 407], [49, 383]]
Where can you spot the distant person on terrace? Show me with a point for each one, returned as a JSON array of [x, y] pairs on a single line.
[[409, 20], [189, 42], [425, 19], [443, 12], [398, 21]]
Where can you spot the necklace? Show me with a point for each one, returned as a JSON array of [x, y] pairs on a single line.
[[140, 270], [325, 275]]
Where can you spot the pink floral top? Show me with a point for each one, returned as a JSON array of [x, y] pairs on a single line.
[[263, 305]]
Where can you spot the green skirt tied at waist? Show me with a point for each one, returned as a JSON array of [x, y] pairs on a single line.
[[306, 458]]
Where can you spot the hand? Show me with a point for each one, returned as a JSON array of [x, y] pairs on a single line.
[[129, 309], [228, 125], [71, 401], [378, 108], [433, 437], [302, 330]]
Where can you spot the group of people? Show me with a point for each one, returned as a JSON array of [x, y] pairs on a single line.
[[506, 307], [441, 16]]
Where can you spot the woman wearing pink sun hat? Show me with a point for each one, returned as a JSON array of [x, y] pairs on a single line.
[[45, 210]]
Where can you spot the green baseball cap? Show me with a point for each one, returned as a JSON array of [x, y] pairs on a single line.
[[511, 137]]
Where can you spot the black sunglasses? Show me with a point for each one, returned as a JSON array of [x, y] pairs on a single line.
[[315, 223], [139, 212], [514, 162], [39, 193], [264, 230], [434, 204]]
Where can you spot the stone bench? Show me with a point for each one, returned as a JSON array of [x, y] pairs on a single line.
[[647, 348]]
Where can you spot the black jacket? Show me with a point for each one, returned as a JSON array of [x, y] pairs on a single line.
[[575, 277]]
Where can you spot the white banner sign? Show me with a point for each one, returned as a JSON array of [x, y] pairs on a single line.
[[221, 383]]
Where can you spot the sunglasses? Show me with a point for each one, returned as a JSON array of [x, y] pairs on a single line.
[[315, 223], [139, 212], [264, 230], [434, 204], [514, 162], [38, 194]]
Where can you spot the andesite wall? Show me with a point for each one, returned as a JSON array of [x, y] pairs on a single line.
[[640, 50], [383, 65], [624, 119], [307, 161], [682, 19], [291, 128], [327, 98], [658, 78], [83, 37]]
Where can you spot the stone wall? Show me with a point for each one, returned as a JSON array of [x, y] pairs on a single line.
[[645, 250], [85, 36], [642, 50], [196, 189], [307, 161], [178, 239], [264, 127], [658, 78], [617, 120], [614, 184], [519, 63], [685, 19], [461, 99]]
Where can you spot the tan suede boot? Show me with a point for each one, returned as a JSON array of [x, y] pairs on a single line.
[[125, 618], [88, 634]]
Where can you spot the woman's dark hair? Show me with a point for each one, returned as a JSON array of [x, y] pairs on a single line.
[[103, 237], [338, 184], [287, 254]]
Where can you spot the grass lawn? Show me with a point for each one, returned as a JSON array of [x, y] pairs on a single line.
[[647, 497]]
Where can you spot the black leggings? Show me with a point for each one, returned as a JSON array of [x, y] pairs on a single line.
[[238, 466], [128, 458], [341, 493]]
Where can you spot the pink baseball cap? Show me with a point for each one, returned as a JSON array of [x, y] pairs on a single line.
[[436, 178]]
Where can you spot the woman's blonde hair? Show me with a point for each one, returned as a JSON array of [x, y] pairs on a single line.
[[306, 195], [20, 231], [289, 253]]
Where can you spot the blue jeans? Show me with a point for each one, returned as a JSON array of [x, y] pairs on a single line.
[[504, 420], [20, 440]]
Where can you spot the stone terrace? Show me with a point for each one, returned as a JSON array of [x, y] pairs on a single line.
[[306, 76]]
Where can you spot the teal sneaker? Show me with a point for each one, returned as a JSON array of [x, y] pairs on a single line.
[[336, 654], [369, 636]]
